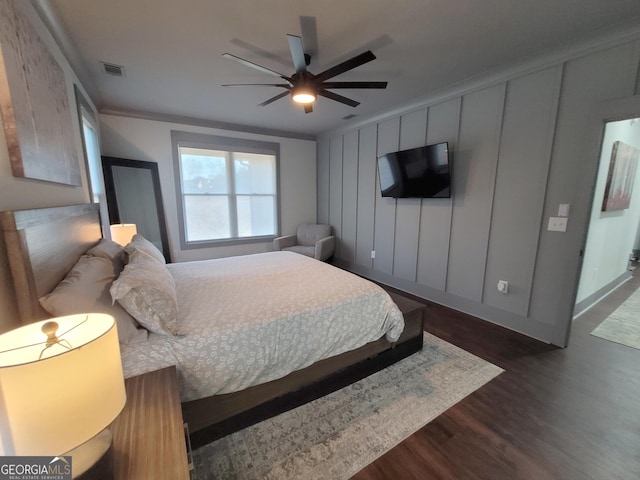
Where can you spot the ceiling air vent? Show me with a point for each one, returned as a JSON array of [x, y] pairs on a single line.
[[113, 69], [350, 116]]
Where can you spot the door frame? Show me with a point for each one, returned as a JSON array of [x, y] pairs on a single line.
[[609, 111]]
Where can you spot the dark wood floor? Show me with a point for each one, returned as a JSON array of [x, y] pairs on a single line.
[[554, 413]]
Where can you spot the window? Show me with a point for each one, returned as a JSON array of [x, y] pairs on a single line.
[[91, 149], [227, 189], [93, 158]]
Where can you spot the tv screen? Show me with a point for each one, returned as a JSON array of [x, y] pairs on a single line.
[[421, 172]]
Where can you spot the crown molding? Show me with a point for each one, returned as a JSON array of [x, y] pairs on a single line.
[[200, 122], [623, 33]]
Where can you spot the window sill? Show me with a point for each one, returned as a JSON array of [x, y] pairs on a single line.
[[225, 242]]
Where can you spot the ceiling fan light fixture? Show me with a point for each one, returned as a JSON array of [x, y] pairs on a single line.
[[304, 95], [305, 87]]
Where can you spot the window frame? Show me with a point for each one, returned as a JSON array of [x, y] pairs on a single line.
[[229, 144]]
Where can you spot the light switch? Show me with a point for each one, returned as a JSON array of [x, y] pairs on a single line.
[[563, 210], [557, 224]]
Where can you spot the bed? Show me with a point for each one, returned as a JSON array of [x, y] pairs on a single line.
[[240, 387]]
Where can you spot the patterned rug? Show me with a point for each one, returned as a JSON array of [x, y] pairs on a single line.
[[623, 325], [335, 436]]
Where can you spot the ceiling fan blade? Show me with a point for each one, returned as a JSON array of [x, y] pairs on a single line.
[[283, 85], [261, 53], [346, 65], [297, 52], [256, 66], [309, 31], [308, 108], [354, 85], [273, 99], [338, 98]]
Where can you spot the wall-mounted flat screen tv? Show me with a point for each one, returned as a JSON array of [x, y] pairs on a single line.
[[422, 172]]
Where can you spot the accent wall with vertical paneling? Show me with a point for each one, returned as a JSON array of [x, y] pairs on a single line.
[[517, 145]]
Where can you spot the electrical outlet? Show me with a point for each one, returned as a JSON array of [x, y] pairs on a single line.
[[557, 224], [373, 254], [503, 286]]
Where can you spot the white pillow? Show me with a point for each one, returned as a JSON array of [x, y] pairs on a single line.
[[139, 243], [111, 251], [85, 289], [146, 290]]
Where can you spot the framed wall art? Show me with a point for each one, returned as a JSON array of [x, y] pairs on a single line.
[[34, 103], [621, 177]]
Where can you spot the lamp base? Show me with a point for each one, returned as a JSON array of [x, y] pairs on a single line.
[[94, 458]]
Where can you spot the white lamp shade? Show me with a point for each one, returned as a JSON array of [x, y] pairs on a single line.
[[52, 405], [122, 233]]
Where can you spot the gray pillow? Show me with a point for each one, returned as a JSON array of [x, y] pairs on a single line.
[[85, 289], [146, 290]]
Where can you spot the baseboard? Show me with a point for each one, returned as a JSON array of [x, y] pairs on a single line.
[[539, 330], [585, 304]]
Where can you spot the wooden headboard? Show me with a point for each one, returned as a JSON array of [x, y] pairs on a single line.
[[42, 246]]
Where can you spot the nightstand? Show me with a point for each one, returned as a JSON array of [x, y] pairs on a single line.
[[148, 435]]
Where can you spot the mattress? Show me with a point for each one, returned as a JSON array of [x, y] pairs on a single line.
[[256, 318]]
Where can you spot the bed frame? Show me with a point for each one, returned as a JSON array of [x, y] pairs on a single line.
[[43, 245]]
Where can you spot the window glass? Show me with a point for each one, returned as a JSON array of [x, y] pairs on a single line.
[[254, 173], [93, 160], [255, 215], [89, 131], [203, 171], [207, 217], [228, 189]]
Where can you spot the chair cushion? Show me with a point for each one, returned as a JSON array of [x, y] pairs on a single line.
[[308, 251], [309, 233]]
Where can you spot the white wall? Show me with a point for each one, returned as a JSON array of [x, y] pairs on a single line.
[[20, 193], [520, 142], [150, 140], [611, 234]]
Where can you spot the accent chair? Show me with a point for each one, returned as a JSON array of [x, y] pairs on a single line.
[[311, 239]]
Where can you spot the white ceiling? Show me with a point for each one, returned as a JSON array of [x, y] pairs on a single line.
[[172, 49]]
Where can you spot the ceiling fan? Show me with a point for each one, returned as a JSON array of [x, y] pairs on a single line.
[[303, 86]]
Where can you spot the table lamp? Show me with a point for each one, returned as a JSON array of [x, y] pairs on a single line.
[[61, 386], [122, 233]]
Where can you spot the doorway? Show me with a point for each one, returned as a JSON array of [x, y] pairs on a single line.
[[613, 233]]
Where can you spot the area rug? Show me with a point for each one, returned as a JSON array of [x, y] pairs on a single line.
[[335, 436], [623, 325]]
